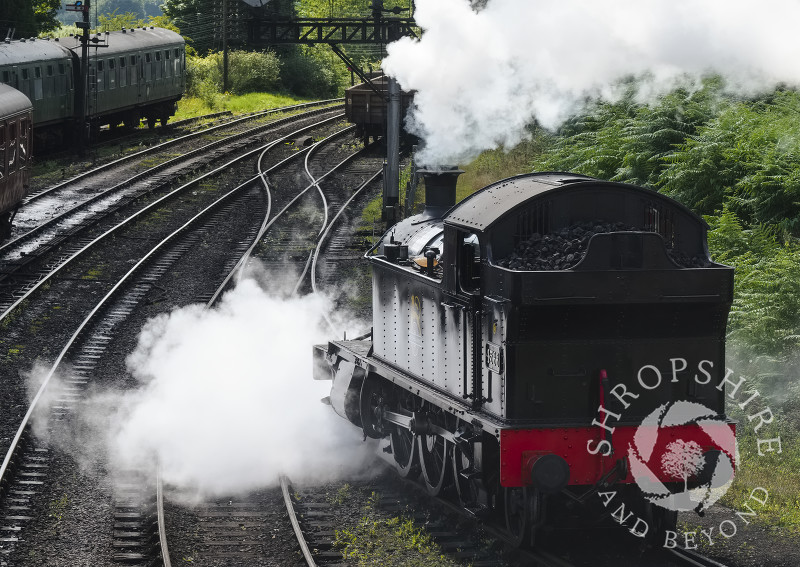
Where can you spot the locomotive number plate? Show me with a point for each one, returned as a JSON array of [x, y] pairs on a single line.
[[494, 358]]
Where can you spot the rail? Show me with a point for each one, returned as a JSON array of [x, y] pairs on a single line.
[[298, 532]]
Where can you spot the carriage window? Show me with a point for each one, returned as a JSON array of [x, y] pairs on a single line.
[[158, 56], [37, 72], [12, 147], [111, 63], [177, 53], [166, 54], [133, 60], [49, 70], [147, 58], [37, 89], [5, 77], [122, 62], [24, 74], [23, 140], [99, 78], [61, 69]]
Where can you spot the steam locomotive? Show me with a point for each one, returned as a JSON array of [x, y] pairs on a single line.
[[546, 345]]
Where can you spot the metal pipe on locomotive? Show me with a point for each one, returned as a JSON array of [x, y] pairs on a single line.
[[516, 339]]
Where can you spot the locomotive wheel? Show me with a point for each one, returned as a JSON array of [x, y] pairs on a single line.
[[404, 451], [467, 487], [522, 507], [434, 455], [403, 441], [371, 403]]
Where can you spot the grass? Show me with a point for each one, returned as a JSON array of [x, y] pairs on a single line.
[[494, 165], [386, 542], [377, 538], [189, 106], [93, 273], [779, 474]]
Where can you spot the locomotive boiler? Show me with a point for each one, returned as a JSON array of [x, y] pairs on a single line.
[[529, 340]]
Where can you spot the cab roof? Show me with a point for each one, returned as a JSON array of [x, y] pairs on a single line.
[[484, 208]]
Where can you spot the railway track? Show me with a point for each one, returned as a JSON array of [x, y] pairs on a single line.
[[225, 122], [217, 535], [95, 341], [104, 190], [78, 242], [134, 529], [315, 518], [140, 534], [460, 536]]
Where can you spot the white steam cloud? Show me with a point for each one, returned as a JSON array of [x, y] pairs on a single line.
[[228, 401], [225, 401], [482, 76]]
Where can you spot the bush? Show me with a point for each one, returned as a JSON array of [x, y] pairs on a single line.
[[310, 73], [252, 72], [247, 72]]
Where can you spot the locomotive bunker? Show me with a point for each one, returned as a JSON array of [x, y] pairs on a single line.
[[489, 374]]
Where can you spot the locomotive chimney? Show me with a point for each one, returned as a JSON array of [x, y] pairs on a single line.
[[440, 190]]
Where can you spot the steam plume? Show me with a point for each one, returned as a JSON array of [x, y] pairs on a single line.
[[228, 401], [225, 401], [482, 76]]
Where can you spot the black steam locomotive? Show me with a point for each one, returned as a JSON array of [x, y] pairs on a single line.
[[528, 342]]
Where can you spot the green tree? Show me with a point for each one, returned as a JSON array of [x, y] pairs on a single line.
[[28, 18], [44, 13]]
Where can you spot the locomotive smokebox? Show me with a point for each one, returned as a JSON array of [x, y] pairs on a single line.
[[440, 190]]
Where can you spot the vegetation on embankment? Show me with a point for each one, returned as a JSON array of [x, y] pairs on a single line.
[[191, 106]]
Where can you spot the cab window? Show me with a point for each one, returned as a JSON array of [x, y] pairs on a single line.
[[469, 263]]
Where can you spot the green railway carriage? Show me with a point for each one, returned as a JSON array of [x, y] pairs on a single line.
[[141, 74], [134, 74], [43, 71]]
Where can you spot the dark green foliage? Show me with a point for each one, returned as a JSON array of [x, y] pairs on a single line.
[[247, 71], [311, 72], [748, 158], [765, 316], [29, 18], [628, 141], [736, 161]]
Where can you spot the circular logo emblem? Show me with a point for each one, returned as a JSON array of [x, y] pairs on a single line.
[[690, 448]]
